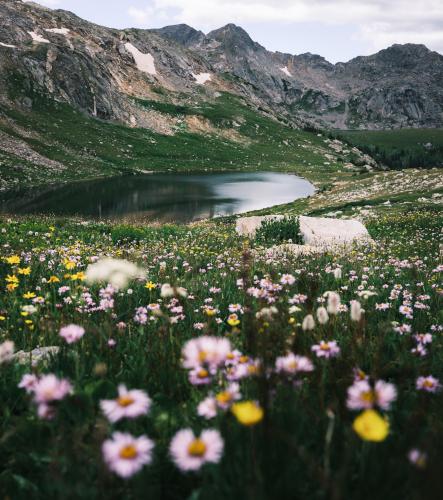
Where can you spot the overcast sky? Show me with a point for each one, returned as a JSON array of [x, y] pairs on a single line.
[[337, 30]]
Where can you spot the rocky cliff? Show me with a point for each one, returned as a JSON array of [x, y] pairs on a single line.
[[104, 71]]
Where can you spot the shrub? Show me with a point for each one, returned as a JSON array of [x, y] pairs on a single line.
[[280, 231]]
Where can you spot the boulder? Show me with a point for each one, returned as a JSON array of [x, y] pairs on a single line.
[[247, 226], [36, 356], [327, 232]]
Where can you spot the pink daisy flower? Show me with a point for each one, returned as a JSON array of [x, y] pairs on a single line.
[[362, 396], [428, 384], [125, 454], [129, 404], [206, 351], [326, 349], [292, 364], [190, 452], [28, 382], [49, 388], [72, 333]]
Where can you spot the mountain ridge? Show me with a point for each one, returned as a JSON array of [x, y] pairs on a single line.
[[401, 86]]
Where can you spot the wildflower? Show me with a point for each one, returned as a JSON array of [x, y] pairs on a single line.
[[150, 285], [337, 273], [207, 408], [205, 351], [53, 279], [49, 388], [13, 260], [333, 302], [29, 295], [428, 384], [308, 323], [322, 315], [12, 278], [72, 333], [247, 412], [233, 320], [28, 382], [114, 271], [199, 376], [362, 396], [125, 454], [129, 404], [190, 452], [292, 364], [6, 351], [371, 426], [326, 349], [225, 398], [418, 458], [25, 271], [168, 291], [356, 310]]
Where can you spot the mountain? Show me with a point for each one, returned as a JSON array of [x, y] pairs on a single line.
[[101, 70]]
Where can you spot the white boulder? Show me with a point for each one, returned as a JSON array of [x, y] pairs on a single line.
[[327, 232], [247, 226]]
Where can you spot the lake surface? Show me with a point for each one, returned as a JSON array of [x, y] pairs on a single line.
[[163, 197]]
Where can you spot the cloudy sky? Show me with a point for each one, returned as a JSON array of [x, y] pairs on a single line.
[[338, 30]]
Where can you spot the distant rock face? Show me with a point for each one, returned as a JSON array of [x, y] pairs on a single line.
[[100, 70]]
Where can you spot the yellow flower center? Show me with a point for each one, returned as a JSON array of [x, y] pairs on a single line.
[[128, 452], [197, 448], [428, 383], [247, 412], [224, 397], [243, 359], [125, 401], [368, 396], [324, 346], [202, 373]]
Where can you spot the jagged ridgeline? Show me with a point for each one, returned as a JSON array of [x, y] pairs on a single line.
[[80, 100]]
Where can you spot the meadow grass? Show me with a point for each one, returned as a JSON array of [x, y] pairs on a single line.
[[305, 445]]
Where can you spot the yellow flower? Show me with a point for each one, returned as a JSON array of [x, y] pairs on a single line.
[[233, 320], [14, 259], [69, 264], [11, 286], [80, 276], [371, 426], [210, 311], [26, 271], [53, 279], [2, 318], [52, 228], [247, 412], [29, 295], [150, 285], [12, 279]]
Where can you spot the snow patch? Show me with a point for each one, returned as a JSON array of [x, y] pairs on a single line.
[[144, 62], [286, 71], [202, 78], [58, 31], [6, 45], [37, 38]]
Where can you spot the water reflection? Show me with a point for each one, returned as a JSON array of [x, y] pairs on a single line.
[[164, 197]]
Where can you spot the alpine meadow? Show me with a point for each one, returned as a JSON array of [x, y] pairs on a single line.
[[221, 266]]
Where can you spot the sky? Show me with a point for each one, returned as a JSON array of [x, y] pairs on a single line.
[[338, 30]]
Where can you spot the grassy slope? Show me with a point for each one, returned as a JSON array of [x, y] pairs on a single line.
[[92, 148]]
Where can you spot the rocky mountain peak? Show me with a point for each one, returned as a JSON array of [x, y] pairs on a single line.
[[234, 37], [182, 34]]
